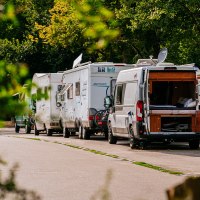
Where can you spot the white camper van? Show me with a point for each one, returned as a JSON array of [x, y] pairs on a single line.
[[47, 110], [156, 103], [82, 97]]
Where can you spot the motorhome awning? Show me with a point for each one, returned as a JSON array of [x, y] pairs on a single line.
[[65, 88]]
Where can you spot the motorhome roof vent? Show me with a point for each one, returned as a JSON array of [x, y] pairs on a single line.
[[165, 64], [102, 63], [188, 65], [147, 61]]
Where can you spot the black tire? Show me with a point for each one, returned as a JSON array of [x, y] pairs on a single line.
[[49, 132], [36, 131], [17, 128], [73, 133], [132, 138], [111, 139], [86, 134], [106, 134], [66, 133], [142, 145], [80, 133], [194, 144], [27, 129]]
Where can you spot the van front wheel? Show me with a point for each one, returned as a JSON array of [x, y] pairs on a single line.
[[111, 139]]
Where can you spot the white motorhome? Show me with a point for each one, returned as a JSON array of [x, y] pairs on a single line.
[[82, 97], [156, 103], [47, 110]]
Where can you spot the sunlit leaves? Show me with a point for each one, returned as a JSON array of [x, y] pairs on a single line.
[[71, 21], [7, 13]]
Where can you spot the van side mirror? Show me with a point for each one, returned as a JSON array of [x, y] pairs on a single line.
[[108, 102]]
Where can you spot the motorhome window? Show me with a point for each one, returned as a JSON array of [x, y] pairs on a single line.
[[130, 93], [77, 89], [70, 92], [119, 95], [60, 87], [175, 93]]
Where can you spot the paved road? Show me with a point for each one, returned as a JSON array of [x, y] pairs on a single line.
[[59, 168]]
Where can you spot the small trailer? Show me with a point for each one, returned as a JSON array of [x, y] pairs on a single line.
[[156, 102], [25, 118], [47, 110], [85, 87]]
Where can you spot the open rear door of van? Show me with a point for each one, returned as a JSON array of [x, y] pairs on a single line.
[[198, 102], [146, 100]]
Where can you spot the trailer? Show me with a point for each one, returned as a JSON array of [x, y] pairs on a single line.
[[84, 89], [47, 110], [25, 118]]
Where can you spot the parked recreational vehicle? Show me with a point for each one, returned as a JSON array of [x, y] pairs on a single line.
[[47, 109], [82, 97], [156, 103]]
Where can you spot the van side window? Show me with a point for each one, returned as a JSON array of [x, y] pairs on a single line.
[[119, 95], [130, 93], [77, 91], [70, 92]]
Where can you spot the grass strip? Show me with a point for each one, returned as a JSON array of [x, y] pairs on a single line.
[[142, 164], [158, 168]]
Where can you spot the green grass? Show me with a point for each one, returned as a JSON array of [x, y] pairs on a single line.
[[142, 164], [158, 168]]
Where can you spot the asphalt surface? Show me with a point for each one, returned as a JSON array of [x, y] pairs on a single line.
[[59, 168]]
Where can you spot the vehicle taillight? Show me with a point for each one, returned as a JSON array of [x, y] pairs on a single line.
[[97, 118], [139, 111], [91, 117]]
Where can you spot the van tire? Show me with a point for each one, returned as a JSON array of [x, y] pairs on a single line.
[[80, 133], [194, 144], [86, 134], [111, 139], [49, 132], [35, 130], [106, 135], [17, 128], [66, 133]]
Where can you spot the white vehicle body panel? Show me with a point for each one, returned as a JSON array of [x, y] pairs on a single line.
[[47, 113], [134, 85], [95, 83]]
